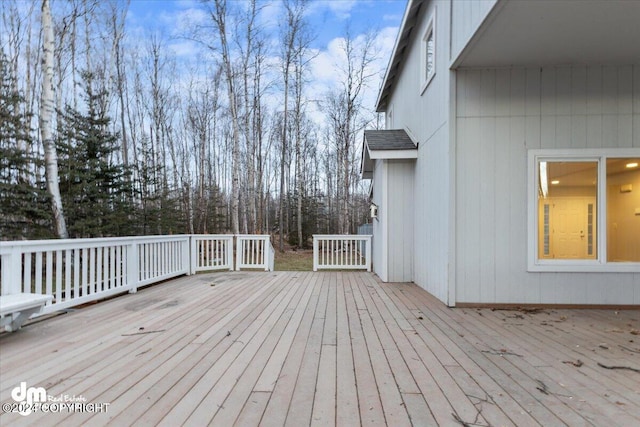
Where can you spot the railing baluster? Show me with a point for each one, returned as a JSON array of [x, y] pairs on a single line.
[[27, 272], [100, 269], [68, 262], [38, 284], [92, 270], [58, 288], [76, 273], [118, 250], [49, 275], [83, 280]]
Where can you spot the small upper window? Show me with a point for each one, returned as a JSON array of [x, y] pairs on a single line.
[[428, 63]]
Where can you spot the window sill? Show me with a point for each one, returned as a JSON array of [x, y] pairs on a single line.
[[583, 266]]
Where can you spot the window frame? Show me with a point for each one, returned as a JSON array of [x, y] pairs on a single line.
[[430, 30], [600, 264]]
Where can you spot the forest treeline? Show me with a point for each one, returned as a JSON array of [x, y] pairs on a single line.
[[106, 131]]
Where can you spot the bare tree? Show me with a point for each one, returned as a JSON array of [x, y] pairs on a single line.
[[46, 122], [219, 17], [294, 10], [117, 21], [344, 110], [301, 62]]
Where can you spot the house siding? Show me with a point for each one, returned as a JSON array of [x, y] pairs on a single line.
[[400, 235], [432, 219], [500, 115], [466, 17], [424, 115], [379, 243]]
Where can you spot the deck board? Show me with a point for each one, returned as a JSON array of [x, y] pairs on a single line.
[[328, 348]]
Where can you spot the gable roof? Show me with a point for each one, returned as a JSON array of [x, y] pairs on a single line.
[[385, 144]]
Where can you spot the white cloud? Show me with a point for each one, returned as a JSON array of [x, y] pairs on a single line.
[[341, 9], [185, 48], [183, 21], [392, 18], [328, 65], [271, 14]]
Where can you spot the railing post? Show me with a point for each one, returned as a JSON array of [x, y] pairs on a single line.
[[11, 269], [133, 267], [272, 255], [315, 253], [193, 254], [238, 252], [186, 256], [368, 254], [229, 252]]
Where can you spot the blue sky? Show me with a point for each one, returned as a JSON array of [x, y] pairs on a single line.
[[328, 17], [328, 20]]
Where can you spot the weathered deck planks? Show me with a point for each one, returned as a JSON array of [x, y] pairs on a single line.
[[331, 348]]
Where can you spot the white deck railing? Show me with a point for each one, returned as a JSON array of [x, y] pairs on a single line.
[[340, 252], [211, 252], [254, 251], [77, 271]]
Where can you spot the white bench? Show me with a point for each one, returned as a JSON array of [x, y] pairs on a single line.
[[16, 309]]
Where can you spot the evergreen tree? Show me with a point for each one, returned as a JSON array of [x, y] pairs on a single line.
[[95, 192], [24, 209], [158, 211]]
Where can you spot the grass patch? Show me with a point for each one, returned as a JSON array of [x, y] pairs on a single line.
[[300, 260]]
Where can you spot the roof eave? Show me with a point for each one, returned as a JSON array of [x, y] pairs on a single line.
[[402, 40]]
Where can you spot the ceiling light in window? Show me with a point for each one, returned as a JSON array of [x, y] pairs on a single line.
[[555, 182], [632, 165]]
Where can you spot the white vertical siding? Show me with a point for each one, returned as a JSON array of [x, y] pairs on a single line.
[[393, 229], [501, 113], [400, 226], [431, 205], [467, 15], [425, 116], [379, 243]]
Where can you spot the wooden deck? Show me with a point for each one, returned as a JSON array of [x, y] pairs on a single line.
[[323, 349]]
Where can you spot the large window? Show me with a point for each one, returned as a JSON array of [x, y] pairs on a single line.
[[584, 210], [428, 62]]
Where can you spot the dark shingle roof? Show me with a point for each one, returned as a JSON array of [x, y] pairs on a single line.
[[395, 139]]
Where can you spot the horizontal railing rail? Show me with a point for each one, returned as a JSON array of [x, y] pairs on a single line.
[[341, 252]]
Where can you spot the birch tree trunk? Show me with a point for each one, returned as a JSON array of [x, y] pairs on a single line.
[[219, 18], [294, 11], [299, 173], [46, 122]]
